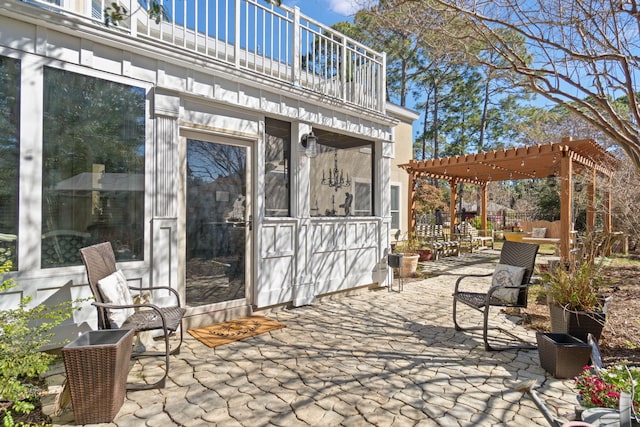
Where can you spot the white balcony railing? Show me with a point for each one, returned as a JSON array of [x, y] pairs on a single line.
[[278, 42]]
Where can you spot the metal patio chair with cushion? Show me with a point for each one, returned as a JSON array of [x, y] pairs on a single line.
[[116, 309], [509, 288]]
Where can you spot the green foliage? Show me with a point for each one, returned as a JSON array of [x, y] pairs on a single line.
[[115, 14], [576, 285], [408, 246], [476, 223], [24, 331], [548, 203]]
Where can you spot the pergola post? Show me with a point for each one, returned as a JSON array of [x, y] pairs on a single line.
[[608, 225], [453, 184], [483, 213], [591, 202], [566, 198], [411, 220]]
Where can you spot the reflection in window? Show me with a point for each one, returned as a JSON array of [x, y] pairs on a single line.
[[217, 222], [395, 207], [9, 160], [276, 167], [93, 167], [363, 198], [341, 180]]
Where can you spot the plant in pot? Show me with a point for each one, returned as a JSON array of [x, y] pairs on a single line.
[[424, 251], [601, 388], [576, 303], [409, 250]]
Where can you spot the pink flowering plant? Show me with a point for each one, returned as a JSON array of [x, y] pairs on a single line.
[[602, 388]]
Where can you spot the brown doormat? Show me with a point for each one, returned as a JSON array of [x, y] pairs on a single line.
[[234, 330]]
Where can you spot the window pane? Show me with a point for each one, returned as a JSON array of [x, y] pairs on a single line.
[[395, 207], [341, 180], [363, 198], [395, 197], [93, 167], [395, 220], [9, 159], [276, 167]]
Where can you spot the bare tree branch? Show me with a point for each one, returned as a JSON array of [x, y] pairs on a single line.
[[583, 55]]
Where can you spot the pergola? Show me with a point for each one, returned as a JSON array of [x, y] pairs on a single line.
[[563, 159]]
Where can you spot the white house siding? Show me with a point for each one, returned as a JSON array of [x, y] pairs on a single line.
[[295, 258]]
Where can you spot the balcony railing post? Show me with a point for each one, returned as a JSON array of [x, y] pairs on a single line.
[[88, 9], [383, 84], [237, 32], [343, 67], [135, 13], [296, 47]]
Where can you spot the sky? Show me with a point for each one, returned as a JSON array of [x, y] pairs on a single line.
[[326, 12]]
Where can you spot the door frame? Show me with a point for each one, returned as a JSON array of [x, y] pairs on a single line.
[[250, 259]]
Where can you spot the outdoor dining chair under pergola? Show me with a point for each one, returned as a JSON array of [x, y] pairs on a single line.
[[562, 159]]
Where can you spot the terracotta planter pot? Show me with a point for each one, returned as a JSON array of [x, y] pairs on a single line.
[[409, 265], [576, 323], [425, 254]]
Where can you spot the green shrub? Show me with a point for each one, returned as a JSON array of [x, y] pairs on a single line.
[[24, 331]]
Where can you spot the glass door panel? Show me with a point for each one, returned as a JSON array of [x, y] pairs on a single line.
[[217, 222]]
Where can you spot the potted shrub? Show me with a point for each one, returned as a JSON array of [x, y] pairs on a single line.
[[576, 303], [409, 250], [425, 254], [424, 250]]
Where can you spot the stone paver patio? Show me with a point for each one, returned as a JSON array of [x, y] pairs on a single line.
[[373, 358]]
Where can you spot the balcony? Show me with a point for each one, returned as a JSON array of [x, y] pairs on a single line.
[[277, 42]]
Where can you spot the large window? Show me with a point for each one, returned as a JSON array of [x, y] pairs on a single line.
[[395, 207], [341, 176], [93, 167], [276, 167], [9, 158]]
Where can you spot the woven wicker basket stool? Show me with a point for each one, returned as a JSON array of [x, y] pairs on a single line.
[[97, 365]]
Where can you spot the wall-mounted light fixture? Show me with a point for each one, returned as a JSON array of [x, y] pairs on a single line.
[[310, 142]]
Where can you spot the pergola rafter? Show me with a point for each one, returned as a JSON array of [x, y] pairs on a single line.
[[561, 159]]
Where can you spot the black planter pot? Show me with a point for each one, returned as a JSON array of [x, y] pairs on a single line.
[[562, 355], [576, 323]]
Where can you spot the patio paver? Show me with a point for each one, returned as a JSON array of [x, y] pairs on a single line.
[[376, 358]]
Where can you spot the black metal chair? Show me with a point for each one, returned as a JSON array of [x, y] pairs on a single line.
[[100, 262], [515, 254]]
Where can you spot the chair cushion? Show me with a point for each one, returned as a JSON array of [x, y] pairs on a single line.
[[507, 275], [538, 233], [114, 290]]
